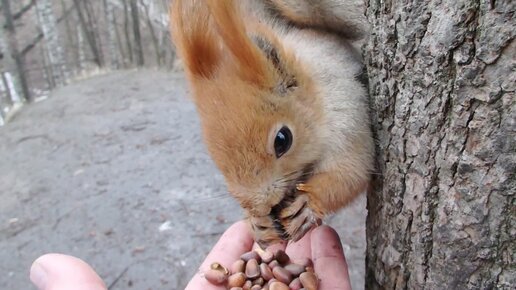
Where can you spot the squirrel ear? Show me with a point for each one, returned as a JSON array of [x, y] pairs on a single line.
[[196, 42], [251, 64], [287, 80]]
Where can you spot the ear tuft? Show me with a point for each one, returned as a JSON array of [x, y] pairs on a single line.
[[287, 80]]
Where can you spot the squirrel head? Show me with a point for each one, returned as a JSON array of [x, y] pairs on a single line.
[[260, 112]]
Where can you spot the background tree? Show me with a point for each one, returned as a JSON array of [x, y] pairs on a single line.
[[54, 50], [155, 42], [86, 23], [138, 49], [109, 11], [442, 81], [14, 56]]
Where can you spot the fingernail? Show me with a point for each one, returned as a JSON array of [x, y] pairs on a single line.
[[38, 276]]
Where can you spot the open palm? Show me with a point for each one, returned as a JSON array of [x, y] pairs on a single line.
[[322, 245]]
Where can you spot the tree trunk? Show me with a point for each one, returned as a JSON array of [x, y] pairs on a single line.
[[46, 68], [92, 24], [111, 33], [81, 60], [120, 44], [138, 50], [152, 31], [5, 95], [90, 36], [442, 214], [53, 47], [69, 39], [14, 56], [127, 32]]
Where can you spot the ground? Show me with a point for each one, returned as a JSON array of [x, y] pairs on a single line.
[[113, 170]]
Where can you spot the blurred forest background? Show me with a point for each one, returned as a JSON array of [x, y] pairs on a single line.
[[45, 44], [110, 168]]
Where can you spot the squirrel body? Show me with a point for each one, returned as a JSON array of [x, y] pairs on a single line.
[[284, 115]]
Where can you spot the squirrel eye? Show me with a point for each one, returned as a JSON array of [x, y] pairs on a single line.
[[283, 141]]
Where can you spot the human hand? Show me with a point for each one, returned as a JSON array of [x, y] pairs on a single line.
[[62, 272], [322, 245]]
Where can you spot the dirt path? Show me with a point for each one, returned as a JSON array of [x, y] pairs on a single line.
[[113, 170]]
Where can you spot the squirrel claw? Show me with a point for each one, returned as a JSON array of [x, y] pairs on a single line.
[[303, 187], [298, 218]]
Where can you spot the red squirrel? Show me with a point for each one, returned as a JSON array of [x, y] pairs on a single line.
[[283, 112]]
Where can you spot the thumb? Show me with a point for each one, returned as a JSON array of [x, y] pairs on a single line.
[[329, 261], [62, 272]]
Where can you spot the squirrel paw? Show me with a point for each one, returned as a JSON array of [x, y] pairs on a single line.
[[291, 219], [297, 218], [266, 232]]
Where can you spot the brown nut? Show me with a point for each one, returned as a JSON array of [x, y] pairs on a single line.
[[237, 266], [236, 288], [215, 277], [266, 287], [266, 272], [282, 275], [307, 262], [252, 270], [295, 269], [256, 287], [236, 280], [250, 255], [295, 284], [265, 255], [281, 257], [259, 281], [219, 267], [309, 280], [278, 286], [273, 264], [247, 286]]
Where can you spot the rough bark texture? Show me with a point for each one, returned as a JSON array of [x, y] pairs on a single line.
[[442, 80]]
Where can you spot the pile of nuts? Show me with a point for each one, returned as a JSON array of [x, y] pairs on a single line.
[[263, 270]]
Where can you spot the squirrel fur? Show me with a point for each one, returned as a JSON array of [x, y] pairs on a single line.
[[258, 67]]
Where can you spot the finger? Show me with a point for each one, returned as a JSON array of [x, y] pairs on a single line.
[[300, 249], [329, 261], [62, 272], [234, 242]]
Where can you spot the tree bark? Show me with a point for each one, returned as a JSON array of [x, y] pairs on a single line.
[[6, 99], [24, 10], [127, 30], [442, 213], [92, 24], [111, 33], [53, 46], [14, 56], [69, 39], [90, 36], [152, 31], [81, 60], [138, 49]]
